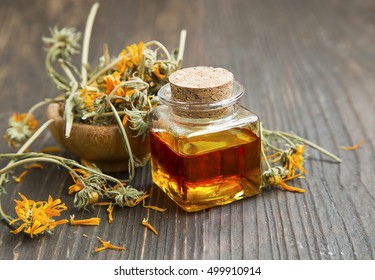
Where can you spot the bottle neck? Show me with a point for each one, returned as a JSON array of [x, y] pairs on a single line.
[[203, 117], [201, 112]]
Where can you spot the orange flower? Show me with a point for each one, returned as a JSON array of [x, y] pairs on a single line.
[[21, 127], [37, 216], [88, 98], [276, 180], [294, 161], [110, 82], [30, 120], [131, 57], [136, 52]]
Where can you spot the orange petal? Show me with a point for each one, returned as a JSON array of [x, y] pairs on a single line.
[[85, 222], [149, 226], [354, 147]]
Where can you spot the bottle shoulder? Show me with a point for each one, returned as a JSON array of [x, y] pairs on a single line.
[[163, 119]]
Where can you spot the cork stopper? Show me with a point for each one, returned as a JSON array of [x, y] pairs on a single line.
[[201, 84]]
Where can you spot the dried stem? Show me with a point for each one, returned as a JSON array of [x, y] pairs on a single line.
[[298, 138], [125, 139], [86, 41]]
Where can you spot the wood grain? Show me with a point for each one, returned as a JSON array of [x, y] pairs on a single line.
[[307, 66]]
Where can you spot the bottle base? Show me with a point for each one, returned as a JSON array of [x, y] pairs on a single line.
[[198, 196]]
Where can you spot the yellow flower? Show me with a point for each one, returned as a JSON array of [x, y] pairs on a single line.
[[21, 127], [276, 180], [110, 82], [294, 161], [136, 52], [277, 176], [131, 57], [36, 217], [88, 99]]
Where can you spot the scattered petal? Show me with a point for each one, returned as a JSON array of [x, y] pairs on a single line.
[[34, 165], [21, 176], [84, 222], [107, 245], [156, 208], [354, 147], [150, 227], [110, 212]]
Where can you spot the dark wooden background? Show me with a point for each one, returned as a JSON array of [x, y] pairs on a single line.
[[307, 66]]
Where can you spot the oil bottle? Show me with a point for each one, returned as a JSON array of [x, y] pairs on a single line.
[[205, 146]]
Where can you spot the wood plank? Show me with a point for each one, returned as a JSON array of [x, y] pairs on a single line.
[[307, 66]]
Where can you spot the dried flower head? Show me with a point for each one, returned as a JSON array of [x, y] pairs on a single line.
[[63, 43], [293, 160], [36, 217], [126, 196], [21, 127], [130, 57], [88, 188], [277, 176]]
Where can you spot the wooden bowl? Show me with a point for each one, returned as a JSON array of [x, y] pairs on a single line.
[[101, 145]]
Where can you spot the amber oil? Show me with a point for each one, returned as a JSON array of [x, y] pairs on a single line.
[[207, 170]]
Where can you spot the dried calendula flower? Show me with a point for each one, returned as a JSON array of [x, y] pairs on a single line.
[[21, 127], [63, 43], [84, 222], [294, 160], [107, 245], [37, 217], [126, 196], [149, 226], [283, 165], [276, 177], [87, 187]]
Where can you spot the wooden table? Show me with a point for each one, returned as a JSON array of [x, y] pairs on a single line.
[[307, 66]]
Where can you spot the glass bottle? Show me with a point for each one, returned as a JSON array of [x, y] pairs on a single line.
[[205, 147]]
